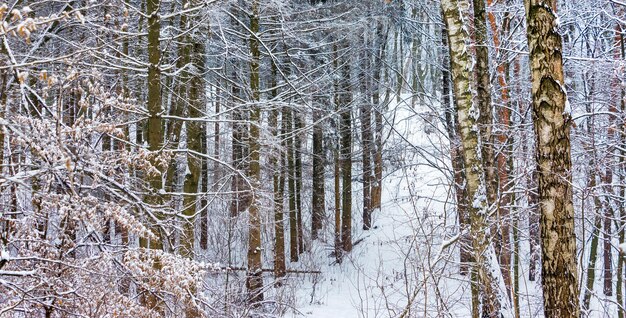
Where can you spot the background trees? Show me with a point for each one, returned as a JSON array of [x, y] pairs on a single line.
[[145, 141]]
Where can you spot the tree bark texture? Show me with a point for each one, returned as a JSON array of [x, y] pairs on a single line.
[[346, 158], [552, 124], [254, 279], [493, 292]]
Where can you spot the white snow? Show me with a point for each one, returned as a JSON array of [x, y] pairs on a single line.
[[408, 264], [402, 259]]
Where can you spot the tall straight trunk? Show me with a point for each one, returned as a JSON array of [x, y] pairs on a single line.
[[366, 138], [216, 170], [278, 178], [346, 157], [367, 170], [154, 133], [337, 162], [552, 124], [195, 137], [377, 147], [254, 279], [493, 291], [291, 180], [483, 102], [456, 158], [506, 167], [502, 203], [318, 205], [279, 219], [154, 128], [298, 125], [485, 120], [337, 186]]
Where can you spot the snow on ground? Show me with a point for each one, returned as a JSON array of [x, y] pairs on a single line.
[[393, 264], [398, 269]]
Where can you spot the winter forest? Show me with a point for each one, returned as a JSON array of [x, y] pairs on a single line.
[[312, 158]]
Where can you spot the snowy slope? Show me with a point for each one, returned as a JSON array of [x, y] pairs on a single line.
[[393, 264], [399, 269]]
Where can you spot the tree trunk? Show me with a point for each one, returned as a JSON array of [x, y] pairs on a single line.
[[293, 219], [195, 132], [278, 178], [558, 240], [366, 138], [493, 292], [154, 129], [456, 159], [377, 147], [154, 133], [318, 205], [337, 162], [346, 158], [254, 279], [503, 200], [298, 126]]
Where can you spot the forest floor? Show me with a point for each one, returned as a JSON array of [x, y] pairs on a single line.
[[398, 268]]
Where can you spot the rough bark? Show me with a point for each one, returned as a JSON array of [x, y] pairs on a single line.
[[493, 292], [552, 124], [346, 158], [377, 147], [195, 132], [291, 180], [154, 128], [298, 126], [337, 163], [254, 278], [318, 200], [504, 119], [366, 138]]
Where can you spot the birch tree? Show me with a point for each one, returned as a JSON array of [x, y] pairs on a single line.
[[493, 292], [552, 123]]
